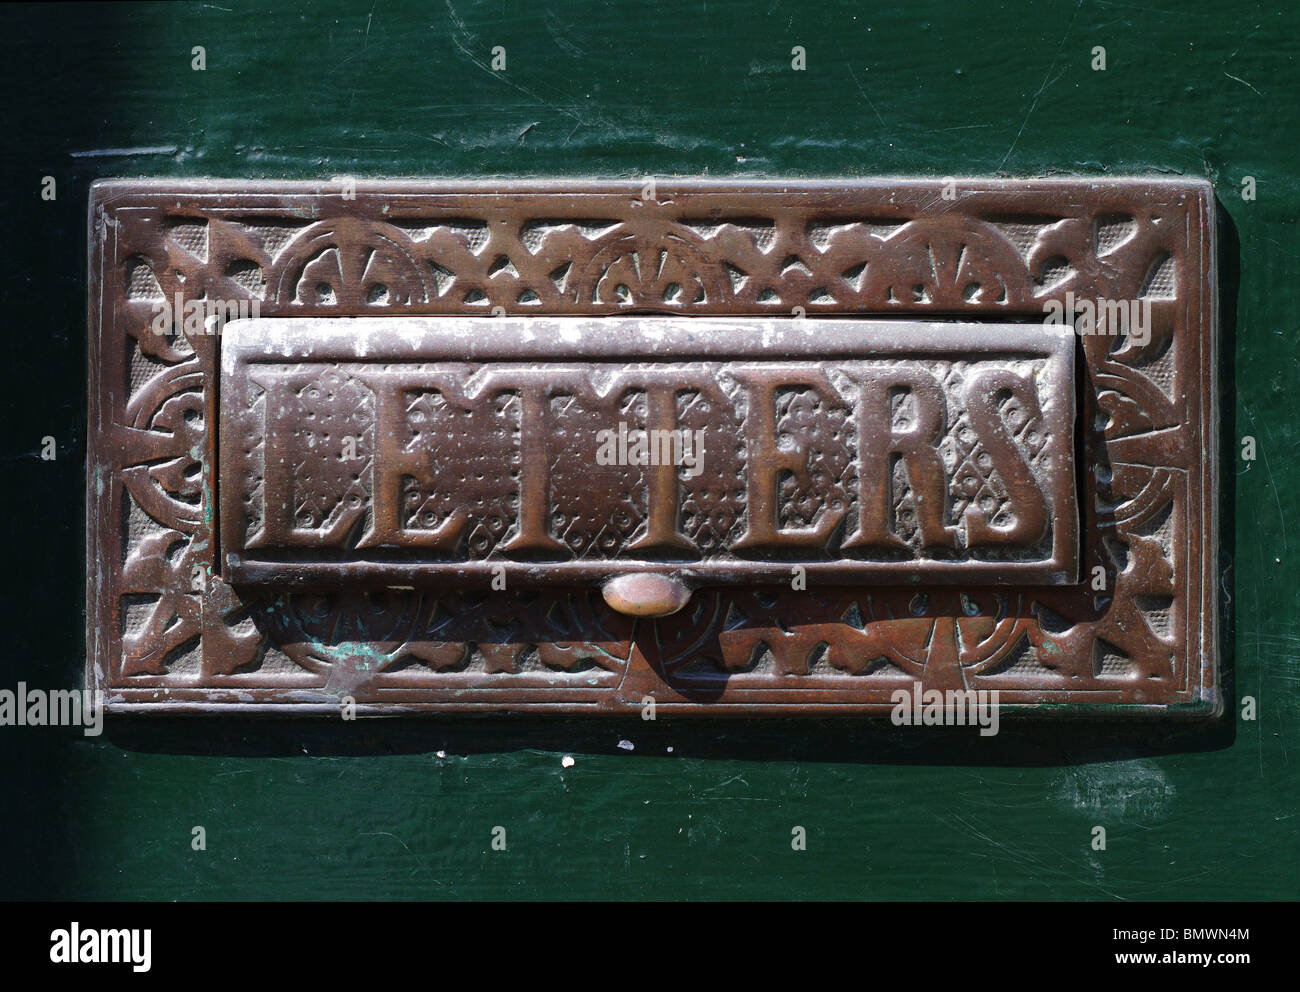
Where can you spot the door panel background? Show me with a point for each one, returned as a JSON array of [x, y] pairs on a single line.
[[406, 809]]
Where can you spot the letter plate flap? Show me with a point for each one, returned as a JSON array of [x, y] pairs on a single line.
[[420, 451]]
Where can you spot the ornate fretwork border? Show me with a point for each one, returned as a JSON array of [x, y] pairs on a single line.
[[165, 630]]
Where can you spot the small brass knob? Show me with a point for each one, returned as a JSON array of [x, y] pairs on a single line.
[[645, 594]]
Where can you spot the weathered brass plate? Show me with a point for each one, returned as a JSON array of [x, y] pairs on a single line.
[[380, 451], [858, 356]]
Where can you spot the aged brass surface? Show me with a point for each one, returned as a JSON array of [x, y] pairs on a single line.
[[500, 452], [867, 363]]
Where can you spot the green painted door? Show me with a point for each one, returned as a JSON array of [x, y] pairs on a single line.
[[686, 809]]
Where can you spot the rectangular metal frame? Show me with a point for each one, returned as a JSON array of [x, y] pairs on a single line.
[[1136, 635]]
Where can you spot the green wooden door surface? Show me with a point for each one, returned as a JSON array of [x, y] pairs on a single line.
[[694, 809]]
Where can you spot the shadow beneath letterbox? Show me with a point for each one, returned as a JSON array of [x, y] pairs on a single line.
[[1020, 742]]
